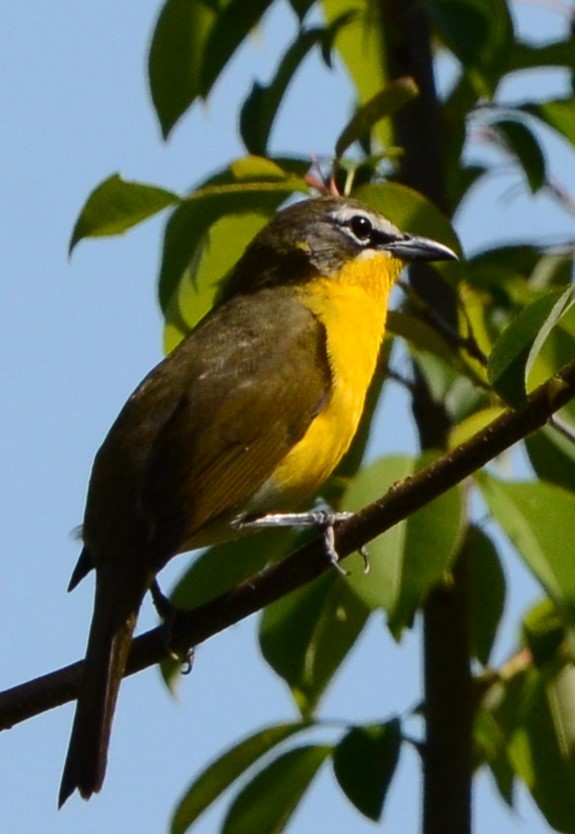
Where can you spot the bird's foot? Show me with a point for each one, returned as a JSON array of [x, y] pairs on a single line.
[[168, 612], [321, 518]]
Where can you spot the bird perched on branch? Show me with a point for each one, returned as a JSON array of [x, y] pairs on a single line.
[[247, 417]]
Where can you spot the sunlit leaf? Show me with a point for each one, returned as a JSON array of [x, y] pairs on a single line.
[[412, 212], [249, 186], [538, 519], [364, 764], [267, 802], [116, 205], [362, 47], [225, 770], [472, 425], [306, 635], [382, 105], [221, 247], [408, 560], [515, 351]]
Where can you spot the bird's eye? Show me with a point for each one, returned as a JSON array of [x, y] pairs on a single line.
[[361, 227]]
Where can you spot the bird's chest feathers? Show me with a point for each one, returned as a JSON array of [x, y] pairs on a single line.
[[352, 308]]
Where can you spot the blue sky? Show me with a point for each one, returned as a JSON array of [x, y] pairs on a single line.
[[76, 338]]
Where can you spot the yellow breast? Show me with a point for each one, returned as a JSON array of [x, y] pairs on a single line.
[[352, 306]]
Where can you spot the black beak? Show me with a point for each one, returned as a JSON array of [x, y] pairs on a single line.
[[412, 248]]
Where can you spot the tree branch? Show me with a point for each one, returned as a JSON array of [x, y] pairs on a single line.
[[191, 628]]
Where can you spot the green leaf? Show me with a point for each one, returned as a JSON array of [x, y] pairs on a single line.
[[305, 636], [301, 7], [521, 142], [219, 250], [412, 212], [175, 61], [249, 186], [542, 748], [516, 349], [479, 33], [536, 56], [552, 456], [267, 802], [489, 749], [260, 107], [364, 763], [419, 333], [362, 47], [538, 519], [544, 632], [192, 43], [221, 568], [223, 772], [382, 105], [558, 114], [408, 560], [116, 205], [487, 592]]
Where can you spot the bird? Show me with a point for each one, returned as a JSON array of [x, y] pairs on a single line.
[[243, 421]]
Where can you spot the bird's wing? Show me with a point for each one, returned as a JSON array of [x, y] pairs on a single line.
[[255, 376]]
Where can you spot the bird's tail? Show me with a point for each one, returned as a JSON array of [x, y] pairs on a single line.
[[108, 647]]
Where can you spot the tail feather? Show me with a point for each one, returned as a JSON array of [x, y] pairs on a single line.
[[108, 647]]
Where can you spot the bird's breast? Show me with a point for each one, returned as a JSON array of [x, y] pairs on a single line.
[[353, 313]]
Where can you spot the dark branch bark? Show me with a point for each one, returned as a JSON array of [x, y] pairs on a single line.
[[194, 627], [447, 771]]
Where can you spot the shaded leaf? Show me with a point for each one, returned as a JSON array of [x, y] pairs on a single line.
[[225, 770], [487, 592], [552, 456], [305, 636], [364, 763], [301, 7], [220, 568], [418, 332], [515, 350], [479, 33], [267, 802], [542, 746], [543, 632], [116, 205], [191, 45], [176, 56], [382, 105], [538, 519], [260, 107], [558, 114], [489, 748], [408, 560], [521, 142], [524, 55]]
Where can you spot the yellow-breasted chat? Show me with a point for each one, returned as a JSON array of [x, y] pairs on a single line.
[[247, 417]]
